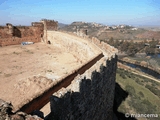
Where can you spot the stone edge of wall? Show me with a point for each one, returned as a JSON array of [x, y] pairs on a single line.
[[107, 49], [55, 86], [43, 97], [39, 100], [75, 85]]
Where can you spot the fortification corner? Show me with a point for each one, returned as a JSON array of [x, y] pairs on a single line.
[[37, 32]]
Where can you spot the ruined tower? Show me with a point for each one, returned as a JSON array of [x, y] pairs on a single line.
[[10, 28], [49, 25]]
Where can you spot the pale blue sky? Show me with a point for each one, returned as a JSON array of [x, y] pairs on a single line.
[[132, 12]]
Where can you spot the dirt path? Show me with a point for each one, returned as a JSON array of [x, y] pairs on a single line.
[[146, 76], [134, 71]]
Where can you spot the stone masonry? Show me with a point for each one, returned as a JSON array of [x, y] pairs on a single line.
[[7, 114], [13, 35], [90, 96]]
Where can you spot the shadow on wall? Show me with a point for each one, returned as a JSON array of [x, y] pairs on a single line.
[[94, 101], [119, 96], [17, 32]]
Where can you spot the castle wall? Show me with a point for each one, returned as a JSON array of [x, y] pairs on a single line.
[[4, 32], [9, 34], [42, 99], [16, 40], [86, 93], [78, 47], [12, 35], [49, 25], [90, 96]]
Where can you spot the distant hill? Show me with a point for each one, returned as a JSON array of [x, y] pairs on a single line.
[[117, 32], [60, 25], [151, 28]]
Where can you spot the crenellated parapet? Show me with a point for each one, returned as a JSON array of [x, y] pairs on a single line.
[[12, 35], [50, 24], [85, 92], [107, 49]]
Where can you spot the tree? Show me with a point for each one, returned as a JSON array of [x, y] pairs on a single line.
[[111, 41]]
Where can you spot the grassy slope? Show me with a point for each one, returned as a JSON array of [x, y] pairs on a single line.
[[126, 106], [147, 93]]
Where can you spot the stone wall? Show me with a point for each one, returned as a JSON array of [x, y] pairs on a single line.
[[82, 49], [16, 40], [90, 96], [42, 98], [12, 35], [107, 49], [88, 91], [50, 24], [4, 32], [6, 113]]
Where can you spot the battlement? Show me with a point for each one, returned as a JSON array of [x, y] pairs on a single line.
[[47, 20], [86, 70], [12, 35], [50, 24]]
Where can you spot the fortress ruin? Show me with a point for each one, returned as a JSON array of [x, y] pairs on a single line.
[[13, 35], [75, 75]]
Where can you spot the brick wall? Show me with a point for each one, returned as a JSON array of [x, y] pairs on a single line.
[[4, 32], [20, 34], [16, 40]]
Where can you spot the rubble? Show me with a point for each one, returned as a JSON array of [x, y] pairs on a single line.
[[7, 114]]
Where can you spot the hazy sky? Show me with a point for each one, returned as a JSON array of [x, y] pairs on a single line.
[[132, 12]]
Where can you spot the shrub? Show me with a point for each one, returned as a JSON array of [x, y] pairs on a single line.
[[141, 94], [153, 90], [123, 75], [130, 90], [139, 81]]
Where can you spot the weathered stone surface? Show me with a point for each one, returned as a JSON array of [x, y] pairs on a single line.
[[7, 114], [50, 24], [92, 99], [90, 95], [12, 35]]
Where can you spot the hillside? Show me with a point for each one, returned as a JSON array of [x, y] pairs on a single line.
[[60, 25], [140, 94], [117, 32]]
